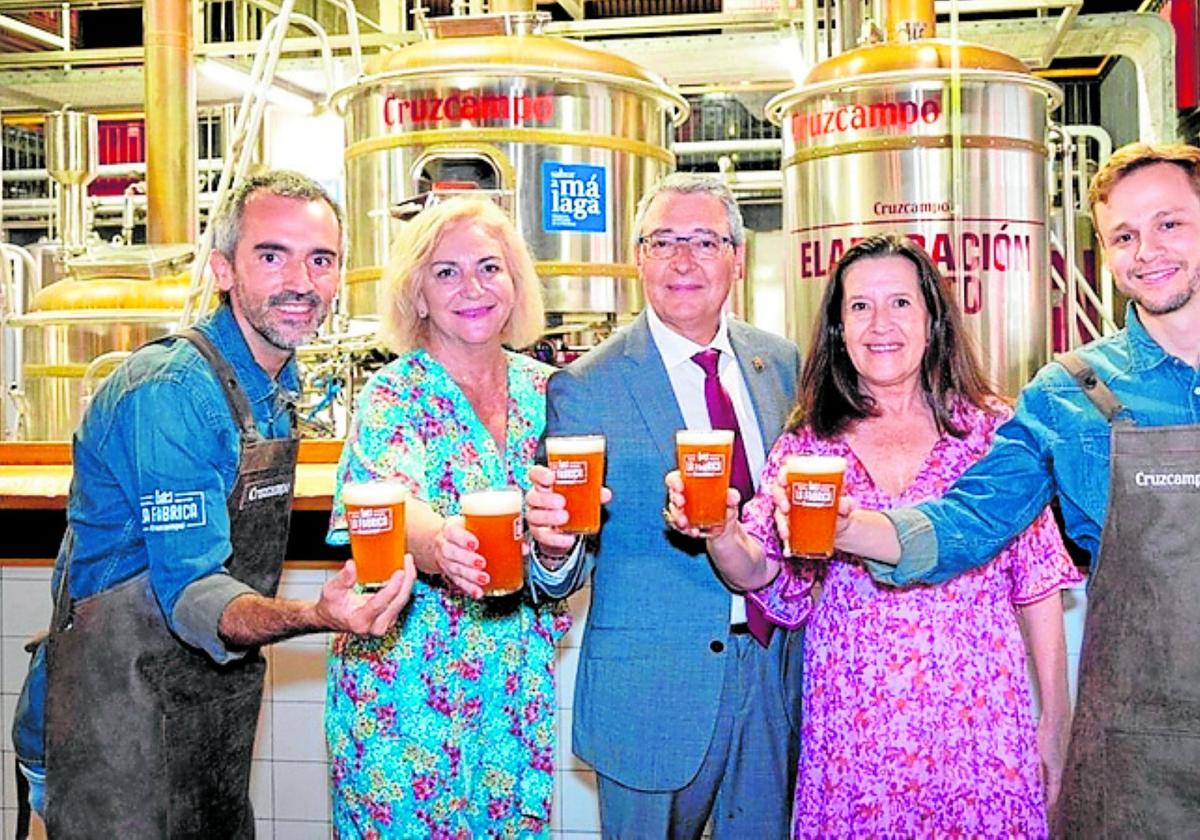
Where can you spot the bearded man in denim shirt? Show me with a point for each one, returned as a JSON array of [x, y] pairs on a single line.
[[1114, 431], [140, 710]]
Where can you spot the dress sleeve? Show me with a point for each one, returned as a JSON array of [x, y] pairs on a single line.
[[384, 441], [1038, 562], [787, 600]]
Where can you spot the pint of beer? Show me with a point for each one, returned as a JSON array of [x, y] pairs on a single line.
[[375, 514], [494, 517], [705, 460], [814, 485], [578, 464]]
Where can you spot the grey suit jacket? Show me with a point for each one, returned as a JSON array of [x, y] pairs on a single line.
[[650, 669]]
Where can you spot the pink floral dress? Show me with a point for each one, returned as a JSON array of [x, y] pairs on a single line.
[[917, 705]]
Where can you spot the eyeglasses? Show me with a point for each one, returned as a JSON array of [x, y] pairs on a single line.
[[703, 246]]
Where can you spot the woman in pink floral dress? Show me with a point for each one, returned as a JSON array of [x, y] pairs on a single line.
[[918, 714]]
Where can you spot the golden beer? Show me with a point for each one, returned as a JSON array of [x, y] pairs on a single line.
[[494, 517], [705, 459], [375, 517], [814, 486], [578, 464]]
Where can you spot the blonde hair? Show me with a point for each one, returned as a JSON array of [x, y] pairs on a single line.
[[1135, 156], [400, 327]]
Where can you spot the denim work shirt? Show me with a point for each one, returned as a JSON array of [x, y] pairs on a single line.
[[155, 458], [1056, 442]]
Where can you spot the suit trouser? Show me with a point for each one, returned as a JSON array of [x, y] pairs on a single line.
[[746, 780]]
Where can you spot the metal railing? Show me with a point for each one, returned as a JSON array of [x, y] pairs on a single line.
[[18, 282], [1084, 296], [246, 129], [1081, 295]]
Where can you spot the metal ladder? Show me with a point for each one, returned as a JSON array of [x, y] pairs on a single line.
[[1078, 293]]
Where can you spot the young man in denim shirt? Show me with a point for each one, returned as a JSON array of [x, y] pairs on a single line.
[[1114, 431], [139, 713]]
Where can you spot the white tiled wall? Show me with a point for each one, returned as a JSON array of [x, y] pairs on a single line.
[[289, 779], [24, 611]]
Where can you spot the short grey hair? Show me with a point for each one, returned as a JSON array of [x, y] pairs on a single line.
[[227, 223], [695, 182]]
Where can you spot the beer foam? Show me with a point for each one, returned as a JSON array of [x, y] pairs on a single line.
[[578, 445], [373, 493], [704, 437], [814, 464], [491, 502]]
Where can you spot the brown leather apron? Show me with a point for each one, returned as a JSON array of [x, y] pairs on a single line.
[[1133, 767], [147, 737]]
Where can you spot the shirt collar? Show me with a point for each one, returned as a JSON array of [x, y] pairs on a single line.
[[1144, 352], [676, 349], [222, 329]]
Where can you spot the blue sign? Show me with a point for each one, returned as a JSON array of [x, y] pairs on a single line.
[[574, 198]]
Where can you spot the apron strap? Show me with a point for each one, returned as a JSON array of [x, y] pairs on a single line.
[[238, 404], [1097, 392]]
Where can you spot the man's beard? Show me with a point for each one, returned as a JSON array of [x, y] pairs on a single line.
[[1173, 303], [261, 319]]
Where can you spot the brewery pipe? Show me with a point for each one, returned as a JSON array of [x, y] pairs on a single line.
[[170, 95], [511, 6], [71, 161], [909, 20]]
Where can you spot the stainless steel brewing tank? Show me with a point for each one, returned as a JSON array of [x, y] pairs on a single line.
[[68, 354], [571, 134], [78, 329], [944, 143]]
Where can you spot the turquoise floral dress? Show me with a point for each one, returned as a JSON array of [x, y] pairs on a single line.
[[444, 728]]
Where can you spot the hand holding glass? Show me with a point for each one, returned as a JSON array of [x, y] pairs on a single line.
[[578, 465], [814, 486], [375, 517], [705, 459], [494, 517]]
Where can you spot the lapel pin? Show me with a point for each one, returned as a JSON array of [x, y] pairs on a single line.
[[758, 363]]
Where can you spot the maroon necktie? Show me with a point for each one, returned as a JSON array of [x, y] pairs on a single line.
[[722, 416]]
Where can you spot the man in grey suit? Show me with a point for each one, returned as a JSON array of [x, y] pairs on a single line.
[[681, 710]]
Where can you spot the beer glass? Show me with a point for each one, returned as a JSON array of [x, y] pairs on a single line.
[[814, 485], [705, 460], [578, 464], [494, 517], [375, 514]]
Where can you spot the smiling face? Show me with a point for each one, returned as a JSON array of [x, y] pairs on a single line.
[[687, 293], [885, 321], [1150, 229], [466, 290], [284, 273]]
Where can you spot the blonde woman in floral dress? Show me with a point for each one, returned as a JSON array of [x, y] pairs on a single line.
[[445, 727]]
